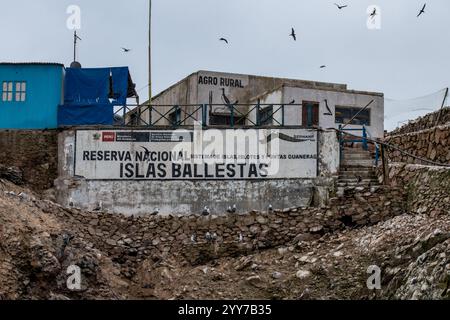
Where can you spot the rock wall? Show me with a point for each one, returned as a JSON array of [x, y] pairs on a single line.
[[131, 239], [432, 144], [428, 188], [426, 122], [34, 153]]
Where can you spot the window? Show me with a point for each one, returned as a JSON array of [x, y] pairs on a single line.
[[14, 90], [7, 92], [21, 91], [345, 114], [225, 120], [266, 116]]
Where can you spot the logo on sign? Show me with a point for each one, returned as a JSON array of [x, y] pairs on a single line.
[[109, 137]]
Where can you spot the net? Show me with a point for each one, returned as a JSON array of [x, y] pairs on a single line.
[[400, 112]]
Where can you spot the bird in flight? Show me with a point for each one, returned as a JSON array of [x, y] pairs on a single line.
[[422, 10], [224, 40], [126, 50], [323, 66], [374, 13], [293, 35], [340, 7]]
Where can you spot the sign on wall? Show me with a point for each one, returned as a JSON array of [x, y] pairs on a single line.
[[196, 155]]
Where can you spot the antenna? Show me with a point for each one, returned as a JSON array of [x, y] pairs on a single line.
[[75, 39]]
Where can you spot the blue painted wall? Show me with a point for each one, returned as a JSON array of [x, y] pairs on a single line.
[[44, 92]]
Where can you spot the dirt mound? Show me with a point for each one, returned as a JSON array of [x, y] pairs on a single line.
[[38, 242]]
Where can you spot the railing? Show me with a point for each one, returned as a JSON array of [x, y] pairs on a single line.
[[184, 115], [364, 139], [381, 150]]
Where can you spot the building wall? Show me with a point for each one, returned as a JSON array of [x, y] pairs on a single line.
[[293, 114], [141, 197], [44, 94], [197, 88]]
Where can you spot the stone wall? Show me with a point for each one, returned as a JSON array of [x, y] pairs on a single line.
[[426, 122], [34, 153], [428, 188], [432, 144], [131, 239]]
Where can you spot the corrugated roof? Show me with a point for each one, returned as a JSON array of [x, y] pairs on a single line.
[[33, 63]]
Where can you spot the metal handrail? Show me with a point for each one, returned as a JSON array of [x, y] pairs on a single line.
[[139, 110]]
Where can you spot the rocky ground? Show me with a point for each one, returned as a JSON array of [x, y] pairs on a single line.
[[36, 247]]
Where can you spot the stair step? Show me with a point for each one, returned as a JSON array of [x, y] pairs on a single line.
[[356, 180], [362, 163], [357, 173], [357, 157]]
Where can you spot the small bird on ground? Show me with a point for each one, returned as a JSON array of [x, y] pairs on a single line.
[[422, 11], [340, 7], [206, 211], [270, 208], [224, 40], [125, 50], [193, 238], [234, 209], [241, 237], [293, 35], [359, 179], [156, 212], [208, 237]]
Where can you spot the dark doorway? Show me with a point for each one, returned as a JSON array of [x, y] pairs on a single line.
[[310, 114]]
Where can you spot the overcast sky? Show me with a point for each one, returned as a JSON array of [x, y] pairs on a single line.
[[408, 57]]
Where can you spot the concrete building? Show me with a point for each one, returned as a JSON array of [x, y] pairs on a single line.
[[30, 94], [316, 104]]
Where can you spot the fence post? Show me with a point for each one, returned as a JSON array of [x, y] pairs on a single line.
[[258, 113], [150, 111], [282, 115], [232, 116], [204, 115], [385, 165], [365, 146]]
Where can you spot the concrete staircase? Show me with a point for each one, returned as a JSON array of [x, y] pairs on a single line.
[[357, 171]]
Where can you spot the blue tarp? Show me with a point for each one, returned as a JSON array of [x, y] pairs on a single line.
[[86, 85], [120, 78], [87, 95], [85, 114]]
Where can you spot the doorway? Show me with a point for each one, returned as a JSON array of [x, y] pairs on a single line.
[[310, 114]]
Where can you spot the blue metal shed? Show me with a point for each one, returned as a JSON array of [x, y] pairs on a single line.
[[30, 94]]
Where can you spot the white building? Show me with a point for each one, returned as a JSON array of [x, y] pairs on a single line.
[[306, 104]]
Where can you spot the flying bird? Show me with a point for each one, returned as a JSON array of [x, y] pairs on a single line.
[[340, 7], [323, 66], [422, 10], [224, 40], [293, 35], [126, 50], [374, 13]]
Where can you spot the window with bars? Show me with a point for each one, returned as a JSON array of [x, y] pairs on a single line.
[[7, 91], [345, 114], [14, 91]]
